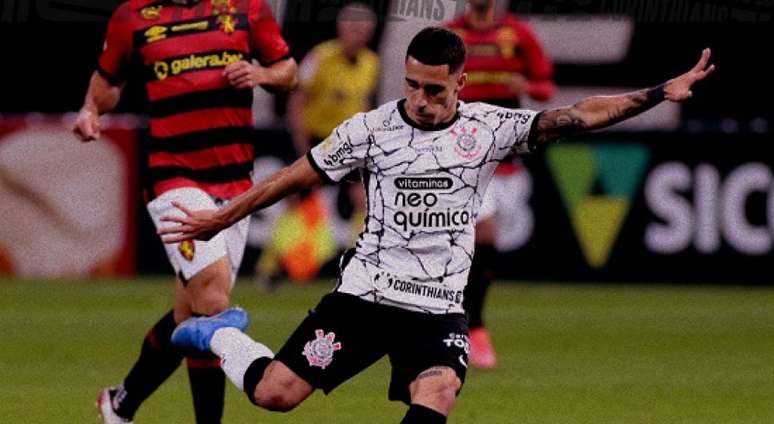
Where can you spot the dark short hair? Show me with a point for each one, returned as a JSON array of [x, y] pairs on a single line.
[[438, 46]]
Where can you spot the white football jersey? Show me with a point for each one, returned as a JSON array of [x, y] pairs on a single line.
[[424, 189]]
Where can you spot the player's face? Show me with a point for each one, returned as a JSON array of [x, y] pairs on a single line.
[[431, 92]]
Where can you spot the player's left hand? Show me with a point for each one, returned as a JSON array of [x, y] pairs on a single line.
[[194, 225], [679, 89], [244, 74]]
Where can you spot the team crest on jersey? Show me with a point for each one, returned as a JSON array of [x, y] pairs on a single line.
[[466, 145], [187, 249], [319, 352], [224, 10], [150, 13]]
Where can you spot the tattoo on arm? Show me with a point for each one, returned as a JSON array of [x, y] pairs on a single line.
[[595, 112], [556, 123], [432, 372], [635, 103]]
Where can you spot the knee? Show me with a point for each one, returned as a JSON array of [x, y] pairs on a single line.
[[212, 296], [276, 399], [440, 391]]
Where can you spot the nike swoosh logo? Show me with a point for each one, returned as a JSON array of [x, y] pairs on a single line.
[[462, 361], [386, 153]]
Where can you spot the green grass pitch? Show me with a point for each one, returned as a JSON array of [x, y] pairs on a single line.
[[567, 354]]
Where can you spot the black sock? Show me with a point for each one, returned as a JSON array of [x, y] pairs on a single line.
[[418, 414], [481, 274], [253, 376], [158, 360], [208, 386]]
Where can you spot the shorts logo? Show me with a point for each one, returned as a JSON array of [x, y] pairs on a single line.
[[187, 249], [319, 352], [466, 145], [458, 340]]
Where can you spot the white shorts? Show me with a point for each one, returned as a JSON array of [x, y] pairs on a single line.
[[190, 257]]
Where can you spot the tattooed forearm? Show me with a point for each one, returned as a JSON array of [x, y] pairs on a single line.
[[634, 104], [595, 112]]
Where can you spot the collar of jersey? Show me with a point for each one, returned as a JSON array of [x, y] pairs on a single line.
[[438, 127]]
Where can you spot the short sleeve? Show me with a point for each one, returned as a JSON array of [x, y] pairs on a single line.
[[343, 151], [118, 48], [516, 131], [266, 40]]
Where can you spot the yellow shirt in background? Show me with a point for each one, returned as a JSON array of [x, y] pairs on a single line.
[[335, 87]]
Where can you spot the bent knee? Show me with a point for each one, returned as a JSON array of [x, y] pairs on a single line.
[[276, 400], [209, 290], [436, 388]]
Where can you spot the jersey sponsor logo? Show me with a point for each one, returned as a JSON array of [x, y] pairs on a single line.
[[466, 146], [431, 291], [187, 250], [155, 33], [423, 183], [338, 155], [521, 118], [319, 351], [418, 210], [191, 26], [386, 127], [194, 62], [151, 12], [429, 149]]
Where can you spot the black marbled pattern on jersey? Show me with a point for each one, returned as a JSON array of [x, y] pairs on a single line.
[[424, 189]]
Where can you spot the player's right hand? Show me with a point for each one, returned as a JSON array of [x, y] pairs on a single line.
[[86, 126], [192, 225]]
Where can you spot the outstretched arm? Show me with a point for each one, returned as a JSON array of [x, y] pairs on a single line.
[[602, 111], [101, 97], [205, 224]]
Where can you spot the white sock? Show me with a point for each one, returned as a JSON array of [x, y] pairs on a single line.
[[237, 351]]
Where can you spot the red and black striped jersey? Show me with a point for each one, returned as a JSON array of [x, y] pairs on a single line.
[[494, 54], [200, 125]]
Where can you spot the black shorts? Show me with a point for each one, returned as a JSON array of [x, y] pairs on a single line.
[[344, 335]]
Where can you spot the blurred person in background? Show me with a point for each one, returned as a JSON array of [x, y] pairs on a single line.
[[337, 79], [505, 61], [196, 59]]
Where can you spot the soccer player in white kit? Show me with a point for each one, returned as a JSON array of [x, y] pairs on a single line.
[[426, 161]]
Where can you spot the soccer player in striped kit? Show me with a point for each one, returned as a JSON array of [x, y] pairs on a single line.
[[196, 65]]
